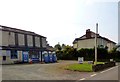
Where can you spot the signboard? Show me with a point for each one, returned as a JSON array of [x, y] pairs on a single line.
[[25, 56], [111, 60], [80, 60]]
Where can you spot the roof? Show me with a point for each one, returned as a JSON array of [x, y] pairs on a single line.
[[10, 29], [92, 33]]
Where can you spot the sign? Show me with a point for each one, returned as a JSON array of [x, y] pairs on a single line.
[[111, 60], [25, 56], [80, 60]]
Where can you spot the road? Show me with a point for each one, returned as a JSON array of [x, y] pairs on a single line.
[[108, 74], [54, 71]]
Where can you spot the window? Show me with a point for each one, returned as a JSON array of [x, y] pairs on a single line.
[[4, 58], [14, 54], [33, 54]]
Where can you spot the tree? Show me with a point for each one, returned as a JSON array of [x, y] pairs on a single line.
[[63, 46], [69, 53], [57, 47], [115, 53]]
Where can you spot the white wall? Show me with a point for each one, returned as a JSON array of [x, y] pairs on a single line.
[[8, 57], [37, 41], [21, 40], [90, 43], [110, 46], [102, 42], [5, 38], [12, 38], [75, 45], [19, 55], [87, 43], [0, 38], [30, 40], [44, 43]]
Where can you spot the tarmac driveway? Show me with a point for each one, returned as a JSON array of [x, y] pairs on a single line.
[[52, 71]]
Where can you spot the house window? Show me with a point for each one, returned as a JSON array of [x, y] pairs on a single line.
[[14, 54], [4, 58]]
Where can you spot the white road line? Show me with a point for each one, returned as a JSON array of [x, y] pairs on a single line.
[[108, 69], [82, 79], [93, 75]]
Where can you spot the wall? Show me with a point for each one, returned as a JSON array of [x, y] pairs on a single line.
[[44, 43], [87, 43], [102, 42], [19, 55], [90, 43], [75, 45], [110, 46], [37, 41], [0, 38], [5, 38], [8, 59], [30, 40], [12, 38], [21, 40]]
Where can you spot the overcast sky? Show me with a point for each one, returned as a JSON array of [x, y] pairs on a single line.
[[61, 20]]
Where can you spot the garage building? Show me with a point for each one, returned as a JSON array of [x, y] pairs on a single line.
[[18, 45]]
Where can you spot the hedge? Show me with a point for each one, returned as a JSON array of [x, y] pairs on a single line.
[[100, 67]]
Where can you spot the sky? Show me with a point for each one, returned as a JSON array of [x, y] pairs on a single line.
[[61, 20]]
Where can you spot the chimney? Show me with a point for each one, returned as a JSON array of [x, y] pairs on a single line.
[[88, 33]]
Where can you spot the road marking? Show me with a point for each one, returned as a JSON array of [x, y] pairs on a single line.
[[108, 69], [93, 75], [82, 79]]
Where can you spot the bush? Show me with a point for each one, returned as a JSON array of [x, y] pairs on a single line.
[[69, 53], [100, 67]]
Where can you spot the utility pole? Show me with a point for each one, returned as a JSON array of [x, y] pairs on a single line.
[[96, 43]]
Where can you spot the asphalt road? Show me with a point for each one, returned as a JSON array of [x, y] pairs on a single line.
[[108, 74]]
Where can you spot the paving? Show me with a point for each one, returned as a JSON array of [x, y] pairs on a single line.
[[52, 71]]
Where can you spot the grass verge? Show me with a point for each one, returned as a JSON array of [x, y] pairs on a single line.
[[80, 67], [85, 67]]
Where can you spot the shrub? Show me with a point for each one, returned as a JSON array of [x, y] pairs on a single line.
[[100, 67]]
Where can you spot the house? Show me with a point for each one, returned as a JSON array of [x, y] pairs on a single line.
[[88, 41], [20, 45]]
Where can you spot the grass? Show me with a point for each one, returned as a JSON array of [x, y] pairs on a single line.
[[100, 62], [80, 67], [85, 67]]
